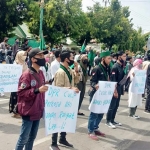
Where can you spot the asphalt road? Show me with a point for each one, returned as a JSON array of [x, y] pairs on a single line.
[[133, 135]]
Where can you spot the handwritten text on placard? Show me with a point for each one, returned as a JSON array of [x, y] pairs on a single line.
[[138, 83], [9, 77], [102, 98], [61, 106]]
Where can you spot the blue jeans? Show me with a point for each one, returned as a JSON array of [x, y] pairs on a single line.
[[28, 134], [94, 121]]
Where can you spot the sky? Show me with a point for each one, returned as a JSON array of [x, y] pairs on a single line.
[[140, 11]]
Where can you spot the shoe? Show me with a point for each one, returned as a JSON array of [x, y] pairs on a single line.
[[135, 117], [147, 111], [54, 147], [110, 125], [81, 114], [98, 133], [116, 123], [144, 99], [93, 136], [65, 143]]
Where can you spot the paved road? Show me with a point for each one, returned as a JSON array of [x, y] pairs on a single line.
[[133, 135]]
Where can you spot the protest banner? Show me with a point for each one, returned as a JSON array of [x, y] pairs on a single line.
[[9, 77], [61, 107], [138, 83], [102, 97]]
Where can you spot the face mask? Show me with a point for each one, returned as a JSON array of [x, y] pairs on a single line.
[[122, 61], [114, 60], [40, 62], [71, 62], [85, 61]]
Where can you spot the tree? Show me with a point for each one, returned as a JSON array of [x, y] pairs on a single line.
[[110, 24], [62, 18], [12, 13]]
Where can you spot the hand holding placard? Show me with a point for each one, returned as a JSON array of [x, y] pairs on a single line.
[[102, 98]]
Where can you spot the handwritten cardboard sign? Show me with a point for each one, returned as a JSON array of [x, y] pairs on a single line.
[[9, 77], [61, 106], [138, 83], [102, 98]]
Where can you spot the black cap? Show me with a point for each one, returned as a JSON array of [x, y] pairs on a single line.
[[36, 51]]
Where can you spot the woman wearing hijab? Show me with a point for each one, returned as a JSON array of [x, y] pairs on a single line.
[[83, 79], [134, 99], [19, 60]]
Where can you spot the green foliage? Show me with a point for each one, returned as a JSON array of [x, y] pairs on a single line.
[[62, 19], [10, 17], [110, 24]]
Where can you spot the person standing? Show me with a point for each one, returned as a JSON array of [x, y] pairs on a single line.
[[100, 73], [134, 99], [117, 75], [64, 77], [15, 47], [83, 79], [114, 59], [2, 56], [55, 65], [4, 43], [46, 71], [19, 60], [91, 57], [77, 56], [9, 59], [25, 44], [97, 56], [127, 69], [31, 97]]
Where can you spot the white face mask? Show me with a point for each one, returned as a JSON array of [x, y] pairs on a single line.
[[114, 59]]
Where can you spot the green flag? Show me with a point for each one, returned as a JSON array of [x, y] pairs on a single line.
[[42, 42], [83, 46]]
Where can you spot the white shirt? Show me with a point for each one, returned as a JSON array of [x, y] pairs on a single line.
[[47, 74], [76, 58], [55, 65]]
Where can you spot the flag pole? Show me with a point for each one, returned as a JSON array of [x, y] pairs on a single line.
[[41, 25]]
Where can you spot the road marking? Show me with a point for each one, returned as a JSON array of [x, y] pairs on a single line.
[[4, 100], [40, 141], [83, 125]]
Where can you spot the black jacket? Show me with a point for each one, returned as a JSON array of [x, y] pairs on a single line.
[[117, 74], [99, 75]]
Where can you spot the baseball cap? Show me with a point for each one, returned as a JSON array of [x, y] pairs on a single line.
[[36, 51]]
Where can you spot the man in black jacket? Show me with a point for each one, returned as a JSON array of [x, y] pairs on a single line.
[[117, 74]]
